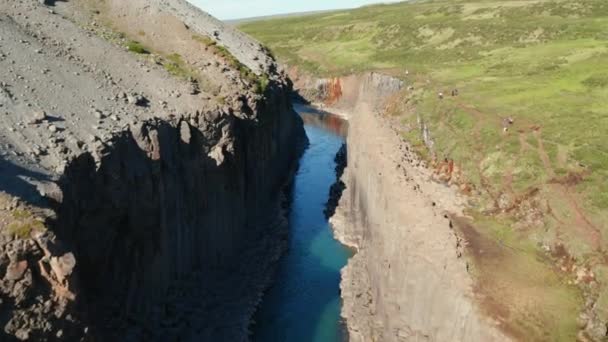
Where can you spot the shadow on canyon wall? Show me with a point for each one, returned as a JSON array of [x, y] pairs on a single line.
[[162, 204]]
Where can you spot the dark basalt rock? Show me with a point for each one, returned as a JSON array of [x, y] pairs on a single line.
[[336, 190]]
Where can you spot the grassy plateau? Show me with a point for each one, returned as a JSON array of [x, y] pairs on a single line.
[[528, 131]]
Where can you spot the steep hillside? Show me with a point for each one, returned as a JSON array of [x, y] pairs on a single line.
[[144, 150], [506, 100]]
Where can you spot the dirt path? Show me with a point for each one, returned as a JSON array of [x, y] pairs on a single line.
[[542, 153], [486, 183], [580, 220]]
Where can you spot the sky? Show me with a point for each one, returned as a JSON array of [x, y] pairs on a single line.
[[237, 9]]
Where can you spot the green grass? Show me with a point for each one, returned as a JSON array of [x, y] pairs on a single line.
[[176, 66], [540, 302], [207, 41], [136, 47], [23, 223], [258, 82], [542, 62]]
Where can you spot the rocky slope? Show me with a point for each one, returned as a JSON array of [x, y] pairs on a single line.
[[161, 173]]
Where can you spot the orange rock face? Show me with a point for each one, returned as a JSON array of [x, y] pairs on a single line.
[[334, 91]]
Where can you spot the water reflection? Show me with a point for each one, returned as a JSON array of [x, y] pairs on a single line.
[[317, 118]]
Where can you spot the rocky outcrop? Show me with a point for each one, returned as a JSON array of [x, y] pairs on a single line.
[[406, 281], [39, 289], [161, 172]]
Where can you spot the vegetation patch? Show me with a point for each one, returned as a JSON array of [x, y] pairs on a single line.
[[596, 81], [136, 47], [23, 223], [259, 83], [530, 300], [176, 66], [207, 41]]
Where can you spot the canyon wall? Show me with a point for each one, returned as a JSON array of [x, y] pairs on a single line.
[[341, 95], [407, 281], [180, 223]]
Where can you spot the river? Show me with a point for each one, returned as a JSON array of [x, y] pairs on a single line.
[[304, 302]]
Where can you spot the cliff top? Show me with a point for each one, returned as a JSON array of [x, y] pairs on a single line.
[[75, 73]]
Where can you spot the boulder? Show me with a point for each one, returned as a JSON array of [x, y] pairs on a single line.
[[63, 266], [16, 270]]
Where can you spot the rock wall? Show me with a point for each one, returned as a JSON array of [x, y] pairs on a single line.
[[336, 190], [177, 226], [341, 95], [407, 281]]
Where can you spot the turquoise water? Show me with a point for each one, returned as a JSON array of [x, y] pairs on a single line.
[[304, 303]]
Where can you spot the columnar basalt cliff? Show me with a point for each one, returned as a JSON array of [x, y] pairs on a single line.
[[165, 192], [180, 223], [406, 281]]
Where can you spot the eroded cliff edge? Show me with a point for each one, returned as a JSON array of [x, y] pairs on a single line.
[[159, 171]]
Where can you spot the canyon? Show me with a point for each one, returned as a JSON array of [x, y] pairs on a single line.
[[164, 178], [303, 304]]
